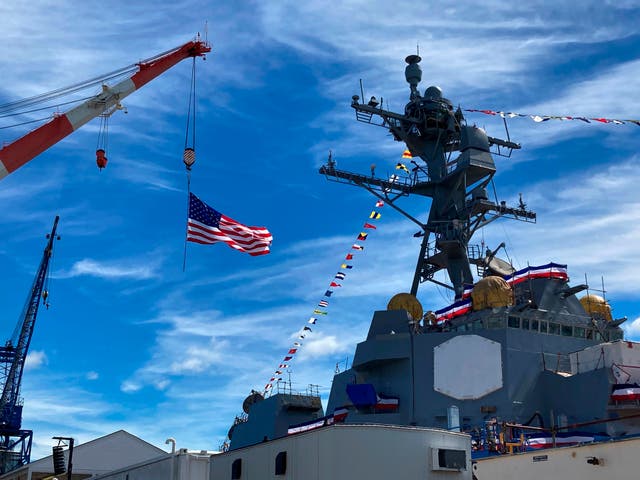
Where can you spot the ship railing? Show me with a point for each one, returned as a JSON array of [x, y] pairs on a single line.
[[559, 363], [286, 388], [241, 418], [497, 438], [391, 184]]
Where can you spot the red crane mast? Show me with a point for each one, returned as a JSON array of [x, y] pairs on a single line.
[[19, 152]]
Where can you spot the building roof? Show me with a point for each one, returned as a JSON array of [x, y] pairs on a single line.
[[103, 454]]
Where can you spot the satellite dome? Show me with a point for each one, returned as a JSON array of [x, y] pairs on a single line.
[[252, 398], [596, 306], [406, 301], [433, 92], [490, 292]]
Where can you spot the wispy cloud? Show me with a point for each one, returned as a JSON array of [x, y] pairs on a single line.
[[111, 271], [35, 359], [273, 99]]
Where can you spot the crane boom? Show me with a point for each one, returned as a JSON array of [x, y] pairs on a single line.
[[12, 357], [24, 149]]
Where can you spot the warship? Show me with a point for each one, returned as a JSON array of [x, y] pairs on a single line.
[[524, 375]]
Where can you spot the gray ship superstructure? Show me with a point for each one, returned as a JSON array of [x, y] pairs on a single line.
[[517, 355]]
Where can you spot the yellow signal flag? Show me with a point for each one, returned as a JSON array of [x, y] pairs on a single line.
[[402, 166], [406, 154]]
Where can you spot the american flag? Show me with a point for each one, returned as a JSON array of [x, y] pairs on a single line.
[[206, 225]]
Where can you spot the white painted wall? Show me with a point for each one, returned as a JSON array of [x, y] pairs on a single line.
[[618, 460], [348, 452]]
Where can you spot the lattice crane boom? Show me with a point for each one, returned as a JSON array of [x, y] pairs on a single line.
[[21, 151], [12, 358]]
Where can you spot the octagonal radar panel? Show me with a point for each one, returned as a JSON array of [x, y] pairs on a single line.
[[467, 367]]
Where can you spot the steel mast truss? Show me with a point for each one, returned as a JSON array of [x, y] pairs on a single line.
[[15, 443], [457, 186]]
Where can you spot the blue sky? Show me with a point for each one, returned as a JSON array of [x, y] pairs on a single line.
[[132, 342]]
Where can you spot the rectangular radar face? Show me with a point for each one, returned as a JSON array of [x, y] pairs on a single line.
[[467, 367]]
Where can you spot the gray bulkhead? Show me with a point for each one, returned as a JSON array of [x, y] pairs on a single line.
[[528, 368]]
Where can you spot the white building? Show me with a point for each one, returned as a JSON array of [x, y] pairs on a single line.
[[104, 454]]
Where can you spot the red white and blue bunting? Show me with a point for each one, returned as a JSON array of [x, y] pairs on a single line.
[[463, 306], [339, 415], [625, 392], [545, 118], [322, 304]]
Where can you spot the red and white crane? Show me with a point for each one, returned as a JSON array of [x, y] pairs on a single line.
[[19, 152]]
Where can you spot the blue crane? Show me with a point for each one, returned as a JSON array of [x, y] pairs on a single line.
[[15, 443]]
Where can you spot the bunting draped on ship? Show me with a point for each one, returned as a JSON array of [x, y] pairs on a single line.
[[545, 118], [321, 306], [463, 305]]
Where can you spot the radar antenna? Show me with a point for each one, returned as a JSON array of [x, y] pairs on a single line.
[[433, 131]]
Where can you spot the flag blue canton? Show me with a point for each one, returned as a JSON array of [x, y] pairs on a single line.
[[202, 212]]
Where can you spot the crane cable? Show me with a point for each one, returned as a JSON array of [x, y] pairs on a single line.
[[17, 107], [99, 80], [189, 155], [64, 91], [103, 141], [189, 150]]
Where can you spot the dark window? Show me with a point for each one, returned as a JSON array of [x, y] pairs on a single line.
[[534, 325], [615, 335], [236, 469], [578, 332], [543, 326], [554, 328], [281, 463], [455, 459], [514, 322], [525, 323], [567, 330], [495, 322]]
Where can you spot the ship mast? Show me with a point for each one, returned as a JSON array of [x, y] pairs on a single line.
[[433, 132]]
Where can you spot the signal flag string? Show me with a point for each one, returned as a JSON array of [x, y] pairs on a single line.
[[544, 118], [323, 303]]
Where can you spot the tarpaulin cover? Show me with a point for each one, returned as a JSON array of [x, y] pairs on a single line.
[[362, 394]]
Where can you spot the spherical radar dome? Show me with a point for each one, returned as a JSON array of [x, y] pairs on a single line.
[[406, 301], [490, 292], [597, 306]]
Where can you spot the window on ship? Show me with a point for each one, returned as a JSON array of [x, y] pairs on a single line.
[[281, 463], [236, 469], [554, 328], [578, 332]]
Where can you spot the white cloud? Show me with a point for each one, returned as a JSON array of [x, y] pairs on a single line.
[[632, 329], [129, 386], [219, 334], [92, 375], [198, 359], [325, 346], [111, 270], [35, 359]]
